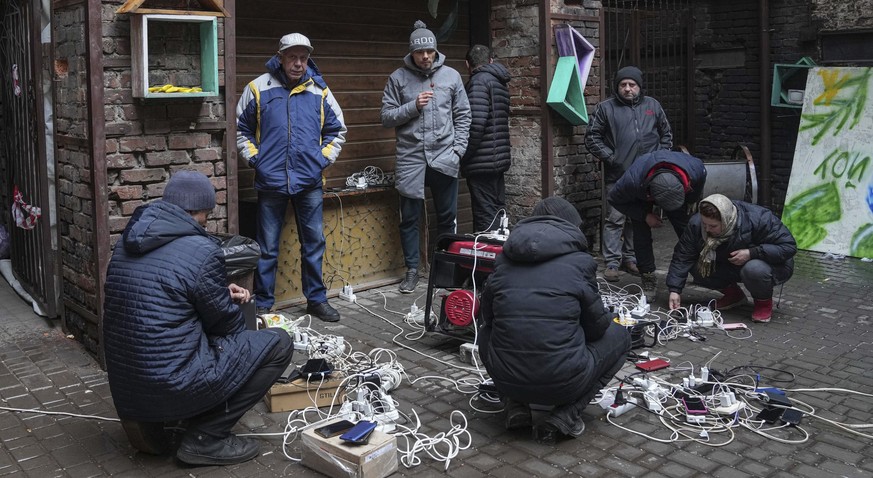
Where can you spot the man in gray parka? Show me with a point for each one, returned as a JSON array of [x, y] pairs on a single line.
[[426, 103]]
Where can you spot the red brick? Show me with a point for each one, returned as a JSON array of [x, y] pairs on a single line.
[[126, 192], [164, 158], [142, 175], [117, 224], [127, 207], [120, 161], [207, 154]]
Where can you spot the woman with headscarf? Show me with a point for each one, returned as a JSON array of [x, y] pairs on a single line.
[[546, 337], [728, 242]]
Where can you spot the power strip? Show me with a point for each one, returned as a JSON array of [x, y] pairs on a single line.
[[619, 410], [348, 294]]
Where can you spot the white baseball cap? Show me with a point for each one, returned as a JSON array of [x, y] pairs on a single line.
[[294, 39]]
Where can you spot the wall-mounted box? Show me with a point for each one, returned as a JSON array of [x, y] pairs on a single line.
[[176, 50], [789, 77]]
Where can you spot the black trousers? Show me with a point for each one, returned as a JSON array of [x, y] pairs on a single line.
[[609, 354], [643, 242], [219, 421], [487, 198]]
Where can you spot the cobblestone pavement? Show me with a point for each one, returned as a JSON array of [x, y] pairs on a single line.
[[820, 333]]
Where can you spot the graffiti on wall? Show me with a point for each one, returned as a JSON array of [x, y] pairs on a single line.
[[829, 203]]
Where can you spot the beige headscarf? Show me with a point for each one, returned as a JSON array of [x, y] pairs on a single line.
[[728, 212]]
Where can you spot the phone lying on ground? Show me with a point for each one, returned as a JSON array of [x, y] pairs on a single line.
[[694, 406], [652, 365], [334, 429], [360, 433]]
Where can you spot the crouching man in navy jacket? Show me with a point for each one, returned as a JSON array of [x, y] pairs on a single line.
[[175, 341]]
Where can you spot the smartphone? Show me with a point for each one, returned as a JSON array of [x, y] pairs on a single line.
[[652, 365], [791, 416], [334, 429], [315, 369], [734, 326], [694, 406], [360, 433], [290, 374], [770, 414]]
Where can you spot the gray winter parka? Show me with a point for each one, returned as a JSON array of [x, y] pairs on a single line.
[[437, 135]]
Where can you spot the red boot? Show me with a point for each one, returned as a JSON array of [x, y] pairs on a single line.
[[763, 310], [733, 297]]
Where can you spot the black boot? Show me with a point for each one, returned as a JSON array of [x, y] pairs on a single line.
[[517, 415], [200, 449]]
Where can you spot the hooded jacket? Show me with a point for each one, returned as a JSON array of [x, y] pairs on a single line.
[[630, 196], [757, 229], [289, 133], [437, 135], [540, 307], [621, 131], [488, 150], [175, 343]]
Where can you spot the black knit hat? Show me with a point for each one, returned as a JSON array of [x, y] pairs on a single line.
[[191, 191], [559, 207], [667, 191], [629, 73]]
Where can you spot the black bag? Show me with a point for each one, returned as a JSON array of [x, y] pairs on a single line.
[[241, 254]]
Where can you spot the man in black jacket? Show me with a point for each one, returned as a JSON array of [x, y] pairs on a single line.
[[729, 242], [624, 126], [174, 338], [671, 180], [546, 336], [488, 152]]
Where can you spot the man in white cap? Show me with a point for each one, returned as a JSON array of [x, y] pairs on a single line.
[[174, 338], [671, 180], [290, 128], [425, 102]]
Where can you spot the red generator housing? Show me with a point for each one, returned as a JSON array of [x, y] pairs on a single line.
[[459, 263]]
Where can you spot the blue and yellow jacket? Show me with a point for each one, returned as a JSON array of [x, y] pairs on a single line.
[[289, 133]]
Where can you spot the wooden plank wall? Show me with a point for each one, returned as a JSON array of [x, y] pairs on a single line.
[[356, 46]]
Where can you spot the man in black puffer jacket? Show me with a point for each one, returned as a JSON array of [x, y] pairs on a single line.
[[546, 337], [488, 152], [175, 342]]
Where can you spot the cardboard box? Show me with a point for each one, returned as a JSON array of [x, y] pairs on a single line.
[[335, 458], [297, 395]]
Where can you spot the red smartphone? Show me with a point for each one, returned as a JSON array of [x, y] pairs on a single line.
[[652, 365]]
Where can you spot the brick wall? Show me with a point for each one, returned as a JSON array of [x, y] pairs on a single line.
[[843, 15], [75, 192], [515, 40], [146, 140]]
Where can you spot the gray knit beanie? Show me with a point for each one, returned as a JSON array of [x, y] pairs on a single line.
[[667, 191], [422, 38], [559, 207], [191, 191]]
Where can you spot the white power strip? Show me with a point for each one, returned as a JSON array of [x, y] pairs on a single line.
[[348, 294]]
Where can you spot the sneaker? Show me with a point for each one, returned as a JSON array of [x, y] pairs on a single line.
[[545, 434], [763, 310], [611, 274], [517, 415], [409, 282], [199, 449], [323, 311], [577, 429], [649, 283], [630, 267]]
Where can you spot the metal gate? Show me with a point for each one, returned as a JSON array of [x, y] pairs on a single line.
[[656, 36], [24, 137]]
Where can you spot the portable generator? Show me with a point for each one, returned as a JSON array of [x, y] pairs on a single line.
[[458, 263]]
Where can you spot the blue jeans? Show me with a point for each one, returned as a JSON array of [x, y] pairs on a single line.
[[444, 190], [615, 225], [308, 215]]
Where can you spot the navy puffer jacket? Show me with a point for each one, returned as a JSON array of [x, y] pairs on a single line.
[[540, 307], [488, 149], [175, 343]]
